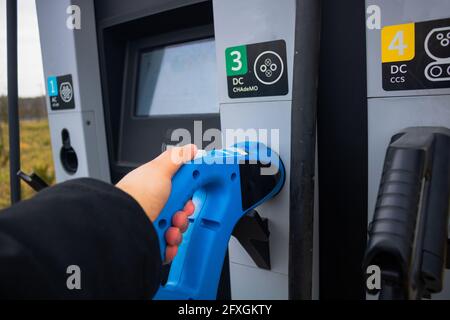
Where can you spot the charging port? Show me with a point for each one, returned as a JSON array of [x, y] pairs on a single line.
[[68, 156]]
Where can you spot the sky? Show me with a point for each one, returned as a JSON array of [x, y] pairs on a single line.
[[31, 78]]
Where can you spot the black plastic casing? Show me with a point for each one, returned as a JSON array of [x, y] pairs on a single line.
[[409, 232]]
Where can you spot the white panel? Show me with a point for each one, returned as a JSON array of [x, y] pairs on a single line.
[[262, 287], [67, 51]]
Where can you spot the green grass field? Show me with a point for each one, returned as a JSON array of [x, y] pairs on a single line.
[[36, 156]]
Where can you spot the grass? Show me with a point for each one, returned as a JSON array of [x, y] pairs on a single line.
[[36, 156]]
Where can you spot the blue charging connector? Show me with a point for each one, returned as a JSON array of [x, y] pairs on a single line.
[[224, 185]]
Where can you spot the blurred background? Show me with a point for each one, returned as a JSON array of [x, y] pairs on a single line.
[[35, 136]]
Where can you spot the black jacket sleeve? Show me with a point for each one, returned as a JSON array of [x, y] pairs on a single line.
[[83, 223]]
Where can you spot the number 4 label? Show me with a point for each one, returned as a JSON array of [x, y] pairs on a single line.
[[398, 43], [236, 60]]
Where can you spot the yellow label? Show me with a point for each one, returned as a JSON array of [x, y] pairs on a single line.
[[398, 43]]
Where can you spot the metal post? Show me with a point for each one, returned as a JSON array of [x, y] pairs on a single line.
[[13, 108]]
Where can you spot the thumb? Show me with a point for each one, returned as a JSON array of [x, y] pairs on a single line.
[[172, 159]]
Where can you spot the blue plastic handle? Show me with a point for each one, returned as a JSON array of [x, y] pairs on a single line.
[[213, 182]]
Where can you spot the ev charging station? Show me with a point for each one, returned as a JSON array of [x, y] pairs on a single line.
[[408, 86], [137, 76]]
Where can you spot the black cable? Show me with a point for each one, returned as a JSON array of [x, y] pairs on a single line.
[[13, 109]]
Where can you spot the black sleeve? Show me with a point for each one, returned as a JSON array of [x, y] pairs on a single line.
[[85, 223]]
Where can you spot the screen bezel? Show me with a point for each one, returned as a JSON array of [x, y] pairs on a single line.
[[133, 127]]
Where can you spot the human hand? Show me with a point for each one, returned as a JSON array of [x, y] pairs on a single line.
[[150, 185]]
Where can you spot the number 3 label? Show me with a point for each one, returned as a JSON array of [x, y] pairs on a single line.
[[236, 60], [398, 43]]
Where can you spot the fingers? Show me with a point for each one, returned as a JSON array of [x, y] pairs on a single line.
[[180, 220], [171, 252], [173, 236], [173, 239], [189, 208], [172, 159], [180, 223]]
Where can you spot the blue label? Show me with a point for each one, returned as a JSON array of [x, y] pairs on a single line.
[[52, 85]]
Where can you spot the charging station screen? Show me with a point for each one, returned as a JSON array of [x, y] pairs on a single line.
[[178, 79]]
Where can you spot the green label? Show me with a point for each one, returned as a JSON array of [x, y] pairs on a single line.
[[257, 70], [236, 60]]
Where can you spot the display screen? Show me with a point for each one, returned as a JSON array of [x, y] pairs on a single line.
[[178, 79]]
